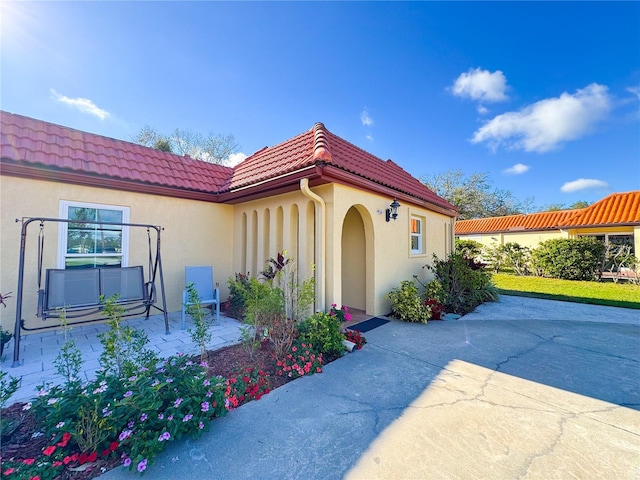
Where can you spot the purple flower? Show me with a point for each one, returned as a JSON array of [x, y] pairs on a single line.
[[130, 424], [128, 393], [204, 406], [124, 435], [201, 425], [127, 462], [206, 383], [177, 402], [142, 466], [187, 418], [143, 417], [161, 416], [164, 436], [170, 417]]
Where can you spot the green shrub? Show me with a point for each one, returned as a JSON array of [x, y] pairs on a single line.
[[323, 332], [407, 304], [570, 258], [468, 248], [462, 286], [517, 258], [238, 291]]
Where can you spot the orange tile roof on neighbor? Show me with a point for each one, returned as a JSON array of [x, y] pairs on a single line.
[[38, 149], [616, 209]]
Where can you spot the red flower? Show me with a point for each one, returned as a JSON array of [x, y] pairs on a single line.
[[9, 471], [37, 477], [66, 436], [113, 446], [29, 461], [57, 463], [49, 450]]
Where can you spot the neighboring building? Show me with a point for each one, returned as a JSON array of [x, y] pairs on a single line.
[[614, 219], [316, 195]]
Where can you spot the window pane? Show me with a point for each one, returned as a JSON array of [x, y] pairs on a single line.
[[415, 243], [415, 225], [93, 261]]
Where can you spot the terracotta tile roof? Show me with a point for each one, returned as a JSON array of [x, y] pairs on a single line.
[[512, 223], [320, 146], [616, 209], [28, 141]]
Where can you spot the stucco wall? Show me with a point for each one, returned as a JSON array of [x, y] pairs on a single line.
[[195, 233], [263, 226]]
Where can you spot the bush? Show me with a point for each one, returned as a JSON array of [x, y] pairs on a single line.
[[407, 303], [461, 285], [238, 291], [300, 360], [517, 258], [570, 258], [322, 330], [468, 248]]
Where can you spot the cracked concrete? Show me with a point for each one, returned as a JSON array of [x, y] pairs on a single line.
[[498, 394]]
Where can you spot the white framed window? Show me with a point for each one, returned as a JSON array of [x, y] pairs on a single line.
[[616, 238], [416, 233], [82, 244]]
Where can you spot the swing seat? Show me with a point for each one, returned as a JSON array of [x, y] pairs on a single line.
[[77, 290]]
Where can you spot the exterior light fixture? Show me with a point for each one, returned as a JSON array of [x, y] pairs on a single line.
[[392, 211]]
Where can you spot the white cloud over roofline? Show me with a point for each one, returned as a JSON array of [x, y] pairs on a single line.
[[83, 105], [234, 159], [365, 118], [547, 124], [481, 85], [583, 184]]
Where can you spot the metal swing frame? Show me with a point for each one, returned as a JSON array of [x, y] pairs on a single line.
[[145, 299]]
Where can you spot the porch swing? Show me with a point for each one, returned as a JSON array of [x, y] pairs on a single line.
[[80, 292]]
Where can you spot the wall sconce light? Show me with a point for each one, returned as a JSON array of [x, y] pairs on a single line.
[[392, 211]]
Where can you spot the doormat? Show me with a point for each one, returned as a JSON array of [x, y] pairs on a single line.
[[370, 324]]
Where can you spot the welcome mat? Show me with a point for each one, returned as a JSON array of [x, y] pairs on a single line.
[[370, 324]]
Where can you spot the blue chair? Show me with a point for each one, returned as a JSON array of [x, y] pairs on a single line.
[[202, 279]]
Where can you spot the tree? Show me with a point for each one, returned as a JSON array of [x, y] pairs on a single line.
[[474, 195], [554, 207], [213, 148]]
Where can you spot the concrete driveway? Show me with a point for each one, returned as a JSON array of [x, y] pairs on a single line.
[[522, 388]]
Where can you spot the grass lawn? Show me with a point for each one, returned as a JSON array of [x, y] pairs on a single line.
[[605, 293]]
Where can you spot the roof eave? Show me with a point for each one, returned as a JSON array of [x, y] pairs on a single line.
[[15, 169]]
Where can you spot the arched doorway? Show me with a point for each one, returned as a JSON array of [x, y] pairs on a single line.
[[354, 261]]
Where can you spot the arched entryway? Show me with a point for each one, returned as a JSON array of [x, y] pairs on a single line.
[[354, 261]]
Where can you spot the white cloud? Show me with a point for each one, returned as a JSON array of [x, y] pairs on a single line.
[[369, 137], [482, 110], [517, 169], [366, 120], [546, 124], [635, 91], [582, 184], [481, 85], [234, 159], [83, 105]]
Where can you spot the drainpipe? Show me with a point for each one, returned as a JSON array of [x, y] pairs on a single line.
[[321, 248]]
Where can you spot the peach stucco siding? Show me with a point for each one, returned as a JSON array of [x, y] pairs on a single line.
[[195, 233]]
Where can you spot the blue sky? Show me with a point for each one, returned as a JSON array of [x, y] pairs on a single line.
[[545, 97]]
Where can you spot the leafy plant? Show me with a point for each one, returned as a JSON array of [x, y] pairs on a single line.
[[322, 330], [407, 303], [245, 385], [570, 258], [461, 283], [468, 248], [342, 313], [124, 351], [436, 308], [69, 361], [8, 386], [356, 337], [301, 359], [517, 258], [200, 335], [238, 292]]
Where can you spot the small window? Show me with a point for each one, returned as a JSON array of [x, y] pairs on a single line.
[[84, 244], [417, 225]]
